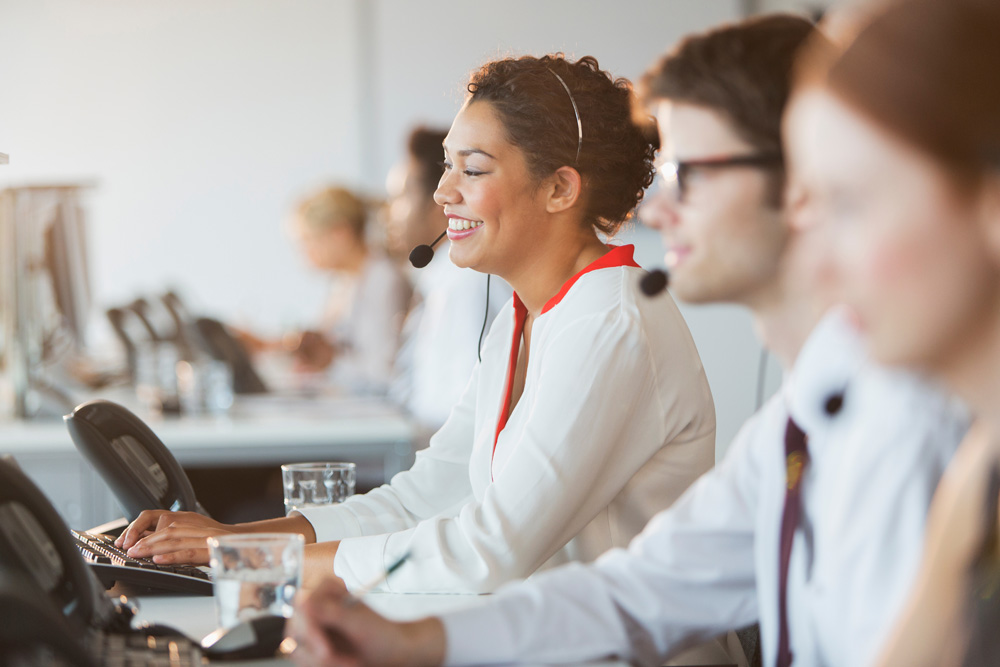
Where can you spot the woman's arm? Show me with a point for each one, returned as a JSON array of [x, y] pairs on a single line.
[[597, 419], [688, 576], [438, 481]]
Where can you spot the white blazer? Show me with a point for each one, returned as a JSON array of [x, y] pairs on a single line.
[[615, 421]]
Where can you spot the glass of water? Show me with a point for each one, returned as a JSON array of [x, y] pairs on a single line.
[[314, 484], [255, 574]]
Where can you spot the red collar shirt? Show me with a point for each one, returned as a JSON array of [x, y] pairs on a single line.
[[615, 421]]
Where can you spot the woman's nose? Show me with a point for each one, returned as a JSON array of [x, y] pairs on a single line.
[[446, 192]]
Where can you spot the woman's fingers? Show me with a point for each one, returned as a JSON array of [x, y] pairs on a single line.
[[155, 520], [176, 543], [147, 520]]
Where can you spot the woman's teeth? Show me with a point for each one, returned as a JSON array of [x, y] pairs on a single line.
[[460, 224]]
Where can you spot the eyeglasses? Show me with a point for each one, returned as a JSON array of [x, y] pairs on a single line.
[[677, 174]]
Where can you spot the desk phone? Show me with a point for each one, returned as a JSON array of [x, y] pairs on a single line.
[[53, 610], [143, 474]]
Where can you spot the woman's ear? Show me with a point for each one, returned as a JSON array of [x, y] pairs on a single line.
[[564, 190]]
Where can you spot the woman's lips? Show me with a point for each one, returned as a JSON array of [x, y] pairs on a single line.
[[462, 228]]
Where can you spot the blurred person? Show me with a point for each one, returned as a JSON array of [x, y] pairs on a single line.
[[897, 143], [589, 412], [444, 329], [811, 524], [357, 339]]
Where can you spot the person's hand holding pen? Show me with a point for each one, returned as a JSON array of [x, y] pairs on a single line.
[[332, 627]]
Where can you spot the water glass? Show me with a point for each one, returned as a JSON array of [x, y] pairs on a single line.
[[205, 385], [315, 484], [156, 376], [255, 574]]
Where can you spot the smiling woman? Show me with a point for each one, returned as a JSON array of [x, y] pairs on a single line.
[[589, 412]]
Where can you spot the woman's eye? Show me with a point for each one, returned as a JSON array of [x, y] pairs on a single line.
[[473, 172], [445, 165]]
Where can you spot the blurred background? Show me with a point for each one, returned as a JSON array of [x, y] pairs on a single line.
[[197, 125]]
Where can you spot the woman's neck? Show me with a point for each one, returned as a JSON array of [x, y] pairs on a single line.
[[544, 273]]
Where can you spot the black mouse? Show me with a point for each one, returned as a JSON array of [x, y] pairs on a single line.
[[257, 638]]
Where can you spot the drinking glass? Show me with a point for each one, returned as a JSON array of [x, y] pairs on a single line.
[[315, 484], [255, 574]]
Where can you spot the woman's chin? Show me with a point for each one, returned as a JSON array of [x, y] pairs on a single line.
[[462, 259]]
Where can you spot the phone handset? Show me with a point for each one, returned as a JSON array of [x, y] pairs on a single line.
[[32, 631], [138, 467], [35, 542]]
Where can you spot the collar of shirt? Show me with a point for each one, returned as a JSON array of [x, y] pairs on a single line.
[[831, 356], [622, 255], [616, 256]]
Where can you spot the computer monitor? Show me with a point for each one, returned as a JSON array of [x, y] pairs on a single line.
[[44, 293], [65, 252]]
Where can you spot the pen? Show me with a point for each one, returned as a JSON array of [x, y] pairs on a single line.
[[365, 590]]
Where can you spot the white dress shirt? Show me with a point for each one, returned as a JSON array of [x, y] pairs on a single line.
[[614, 422], [364, 319], [710, 562], [441, 337]]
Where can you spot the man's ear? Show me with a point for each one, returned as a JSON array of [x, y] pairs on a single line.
[[564, 189], [990, 215]]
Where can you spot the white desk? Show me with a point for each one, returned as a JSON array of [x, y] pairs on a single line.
[[195, 616], [258, 431]]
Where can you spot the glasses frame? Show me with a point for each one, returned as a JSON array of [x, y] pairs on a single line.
[[675, 173]]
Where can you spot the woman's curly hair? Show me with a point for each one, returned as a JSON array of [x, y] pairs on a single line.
[[616, 157]]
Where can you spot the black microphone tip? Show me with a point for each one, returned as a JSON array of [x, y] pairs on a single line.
[[421, 256], [654, 282]]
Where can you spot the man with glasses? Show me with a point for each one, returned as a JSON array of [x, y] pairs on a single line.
[[813, 523]]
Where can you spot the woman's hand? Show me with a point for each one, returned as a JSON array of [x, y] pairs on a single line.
[[331, 628], [178, 543], [151, 521]]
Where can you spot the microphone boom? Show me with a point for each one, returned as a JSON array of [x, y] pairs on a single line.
[[422, 255], [654, 282]]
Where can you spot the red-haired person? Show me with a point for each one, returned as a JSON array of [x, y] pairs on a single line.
[[897, 143]]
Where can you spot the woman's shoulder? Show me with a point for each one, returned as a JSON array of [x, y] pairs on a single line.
[[956, 518], [612, 297]]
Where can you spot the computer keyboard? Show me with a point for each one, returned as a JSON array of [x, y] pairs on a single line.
[[111, 564], [126, 650]]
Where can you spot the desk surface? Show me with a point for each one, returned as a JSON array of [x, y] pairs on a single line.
[[255, 426], [195, 616]]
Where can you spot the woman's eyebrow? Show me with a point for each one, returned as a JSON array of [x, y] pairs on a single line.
[[475, 151], [466, 152]]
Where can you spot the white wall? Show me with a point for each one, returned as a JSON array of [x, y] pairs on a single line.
[[200, 123]]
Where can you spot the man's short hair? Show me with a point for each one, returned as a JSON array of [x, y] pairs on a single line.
[[424, 146], [743, 70]]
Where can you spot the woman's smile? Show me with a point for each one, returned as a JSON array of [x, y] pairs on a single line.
[[462, 228]]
